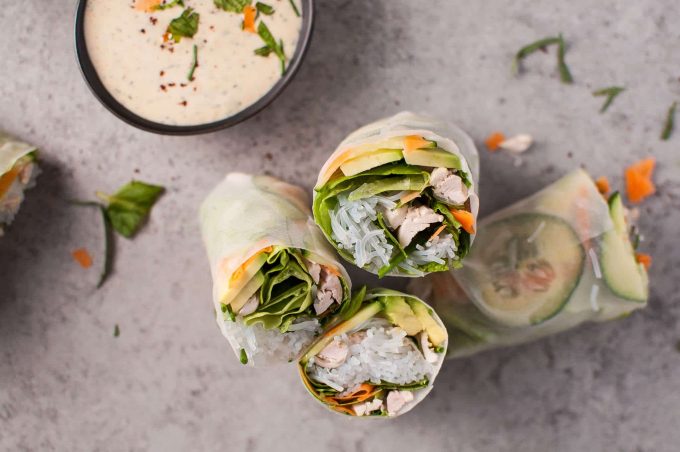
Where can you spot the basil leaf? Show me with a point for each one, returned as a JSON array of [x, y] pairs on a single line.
[[295, 8], [670, 119], [169, 5], [263, 51], [264, 8], [611, 94], [186, 25], [233, 6], [129, 207]]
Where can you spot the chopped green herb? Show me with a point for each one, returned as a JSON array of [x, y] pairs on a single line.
[[186, 25], [229, 314], [194, 65], [108, 240], [169, 5], [264, 8], [670, 119], [677, 346], [263, 51], [565, 75], [116, 331], [439, 349], [270, 42], [611, 94], [295, 8], [233, 6], [129, 207], [244, 357]]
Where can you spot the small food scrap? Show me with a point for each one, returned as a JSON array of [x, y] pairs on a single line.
[[644, 259], [116, 331], [638, 177], [82, 257], [517, 144], [494, 141], [541, 44], [670, 120], [603, 186], [249, 13], [611, 94]]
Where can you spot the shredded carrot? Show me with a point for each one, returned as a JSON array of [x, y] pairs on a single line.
[[465, 218], [413, 142], [602, 184], [7, 179], [82, 257], [639, 183], [249, 13], [333, 270], [361, 393], [409, 197], [146, 5], [239, 272], [437, 232], [344, 409], [494, 141], [644, 259]]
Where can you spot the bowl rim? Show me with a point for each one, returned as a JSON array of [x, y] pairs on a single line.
[[97, 88]]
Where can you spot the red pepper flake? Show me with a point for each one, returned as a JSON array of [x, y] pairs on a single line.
[[162, 73], [183, 85], [212, 27], [162, 46], [143, 30], [163, 87], [171, 84], [172, 49], [153, 20], [183, 103]]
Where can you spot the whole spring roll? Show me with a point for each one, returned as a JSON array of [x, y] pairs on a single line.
[[550, 262], [276, 281], [398, 196], [18, 171], [378, 359]]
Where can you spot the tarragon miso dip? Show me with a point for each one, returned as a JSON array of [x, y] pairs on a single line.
[[189, 62]]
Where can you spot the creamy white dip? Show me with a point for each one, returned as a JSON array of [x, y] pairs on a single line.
[[150, 77]]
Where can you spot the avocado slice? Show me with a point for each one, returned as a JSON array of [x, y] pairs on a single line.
[[435, 157], [399, 312], [371, 160], [436, 333], [413, 182], [248, 291], [236, 286], [622, 273]]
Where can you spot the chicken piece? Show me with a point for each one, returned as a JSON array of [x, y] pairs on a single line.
[[394, 217], [448, 187], [314, 270], [333, 355], [250, 306], [329, 291], [357, 337], [428, 354], [517, 144], [362, 409], [417, 219], [396, 401]]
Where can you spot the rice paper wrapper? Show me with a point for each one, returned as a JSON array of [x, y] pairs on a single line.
[[538, 268], [240, 217], [420, 394], [12, 150]]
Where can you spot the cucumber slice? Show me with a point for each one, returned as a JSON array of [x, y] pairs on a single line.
[[432, 157], [369, 161], [531, 264], [623, 275]]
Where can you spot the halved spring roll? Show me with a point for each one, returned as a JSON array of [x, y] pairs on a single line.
[[378, 359], [398, 197], [276, 281], [18, 171], [543, 265]]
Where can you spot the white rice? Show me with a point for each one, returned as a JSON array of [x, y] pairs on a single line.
[[353, 227], [11, 201], [271, 346], [385, 354]]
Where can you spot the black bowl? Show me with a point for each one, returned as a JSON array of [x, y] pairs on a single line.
[[115, 107]]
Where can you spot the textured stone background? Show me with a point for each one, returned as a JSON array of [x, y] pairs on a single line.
[[169, 382]]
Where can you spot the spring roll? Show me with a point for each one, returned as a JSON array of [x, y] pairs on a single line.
[[18, 171], [546, 264], [398, 196], [378, 359], [276, 281]]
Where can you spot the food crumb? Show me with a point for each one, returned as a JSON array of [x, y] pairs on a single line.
[[183, 103], [142, 30], [82, 257], [602, 184], [116, 331], [268, 156], [494, 141]]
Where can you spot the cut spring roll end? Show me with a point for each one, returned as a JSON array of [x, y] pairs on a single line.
[[379, 359], [18, 172], [402, 203]]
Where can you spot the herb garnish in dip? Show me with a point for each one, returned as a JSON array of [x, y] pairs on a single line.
[[189, 62]]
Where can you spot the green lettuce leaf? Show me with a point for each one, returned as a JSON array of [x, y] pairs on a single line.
[[186, 25], [130, 206]]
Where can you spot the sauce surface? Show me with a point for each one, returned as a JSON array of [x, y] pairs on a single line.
[[149, 74]]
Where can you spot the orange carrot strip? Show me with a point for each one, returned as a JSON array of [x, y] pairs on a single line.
[[638, 180], [494, 141], [602, 184], [413, 142], [249, 13], [238, 273], [146, 5], [465, 218], [82, 257], [644, 259], [645, 167], [7, 179], [437, 232], [361, 390], [344, 409]]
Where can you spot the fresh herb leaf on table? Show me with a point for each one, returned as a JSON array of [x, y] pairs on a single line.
[[130, 206], [565, 74], [169, 5], [611, 93], [116, 331], [669, 124], [186, 25], [233, 6]]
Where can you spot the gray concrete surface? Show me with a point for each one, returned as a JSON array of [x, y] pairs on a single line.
[[170, 382]]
